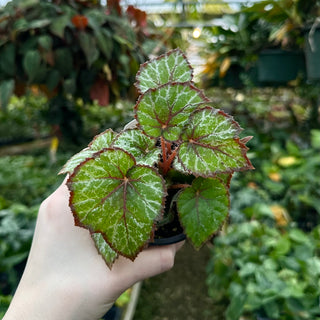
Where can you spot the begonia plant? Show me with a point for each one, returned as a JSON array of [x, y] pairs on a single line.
[[174, 163]]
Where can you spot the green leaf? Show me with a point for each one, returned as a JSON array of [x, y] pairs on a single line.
[[237, 302], [76, 159], [104, 42], [63, 61], [272, 310], [112, 195], [210, 144], [6, 91], [282, 247], [96, 18], [53, 78], [69, 85], [88, 45], [172, 66], [105, 250], [31, 64], [21, 25], [7, 61], [203, 207], [164, 111], [102, 35], [41, 23], [299, 236], [99, 142], [59, 24], [102, 140], [139, 145], [45, 42]]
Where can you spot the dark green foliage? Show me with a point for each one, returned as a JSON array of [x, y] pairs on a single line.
[[263, 271], [279, 196], [28, 178], [24, 182], [16, 231], [24, 120], [69, 50]]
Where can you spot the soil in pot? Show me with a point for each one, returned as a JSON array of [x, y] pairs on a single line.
[[169, 230], [169, 233]]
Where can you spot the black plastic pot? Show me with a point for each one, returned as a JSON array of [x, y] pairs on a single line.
[[168, 233], [278, 67], [169, 240]]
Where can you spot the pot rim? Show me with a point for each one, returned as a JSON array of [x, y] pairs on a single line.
[[170, 240]]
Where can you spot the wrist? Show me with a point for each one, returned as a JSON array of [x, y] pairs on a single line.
[[49, 300]]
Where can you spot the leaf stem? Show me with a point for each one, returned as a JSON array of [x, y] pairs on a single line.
[[167, 156], [179, 186]]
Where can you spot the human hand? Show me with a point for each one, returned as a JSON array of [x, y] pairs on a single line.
[[66, 278]]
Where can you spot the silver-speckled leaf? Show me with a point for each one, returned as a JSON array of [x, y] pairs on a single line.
[[105, 250], [112, 195], [211, 144], [172, 66], [164, 111], [142, 147], [99, 142]]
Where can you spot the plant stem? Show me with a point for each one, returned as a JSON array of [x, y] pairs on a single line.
[[168, 156], [179, 186]]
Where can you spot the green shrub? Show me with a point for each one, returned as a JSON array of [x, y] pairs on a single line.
[[24, 119], [72, 49], [16, 231], [259, 270], [288, 178], [28, 179]]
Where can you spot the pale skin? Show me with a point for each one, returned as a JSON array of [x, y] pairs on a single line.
[[65, 277]]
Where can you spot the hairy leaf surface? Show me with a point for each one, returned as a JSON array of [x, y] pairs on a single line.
[[112, 195], [170, 67], [142, 147], [101, 141], [202, 208], [165, 110], [105, 250], [211, 144]]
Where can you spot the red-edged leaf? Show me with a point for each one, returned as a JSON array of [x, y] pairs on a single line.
[[113, 196], [211, 144], [172, 66], [165, 110], [203, 208]]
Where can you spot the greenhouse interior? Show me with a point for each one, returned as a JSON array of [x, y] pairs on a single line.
[[183, 126]]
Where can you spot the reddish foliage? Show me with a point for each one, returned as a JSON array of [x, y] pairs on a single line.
[[114, 5], [79, 21], [100, 92], [137, 15]]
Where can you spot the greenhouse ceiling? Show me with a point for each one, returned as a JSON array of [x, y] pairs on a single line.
[[159, 6]]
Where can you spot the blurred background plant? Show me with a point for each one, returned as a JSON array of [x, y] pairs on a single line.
[[265, 272], [70, 50], [67, 70]]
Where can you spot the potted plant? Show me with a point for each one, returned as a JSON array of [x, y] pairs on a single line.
[[173, 164], [281, 58], [232, 49]]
